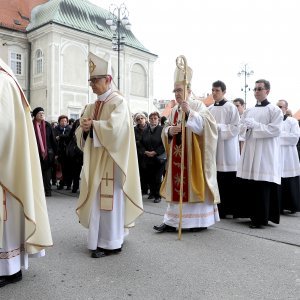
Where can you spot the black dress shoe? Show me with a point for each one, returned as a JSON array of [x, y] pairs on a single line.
[[151, 197], [97, 253], [4, 280], [253, 226], [157, 200], [197, 229], [60, 187], [164, 228], [48, 194]]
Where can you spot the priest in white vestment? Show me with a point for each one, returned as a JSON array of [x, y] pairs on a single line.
[[200, 188], [24, 223], [260, 166], [110, 195], [228, 152], [290, 178]]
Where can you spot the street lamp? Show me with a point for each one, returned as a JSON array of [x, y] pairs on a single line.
[[246, 74], [118, 17]]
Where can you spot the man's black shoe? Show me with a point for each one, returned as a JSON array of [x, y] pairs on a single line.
[[4, 280], [60, 187], [151, 197], [97, 253], [164, 228], [254, 225], [48, 194], [197, 229], [100, 252], [157, 200]]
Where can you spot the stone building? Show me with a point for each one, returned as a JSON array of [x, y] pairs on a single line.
[[46, 43]]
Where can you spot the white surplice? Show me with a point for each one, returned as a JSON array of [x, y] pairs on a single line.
[[260, 158], [289, 137], [228, 152]]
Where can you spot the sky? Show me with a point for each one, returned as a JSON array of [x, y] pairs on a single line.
[[218, 38]]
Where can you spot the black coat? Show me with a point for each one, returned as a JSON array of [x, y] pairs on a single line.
[[62, 141], [151, 141]]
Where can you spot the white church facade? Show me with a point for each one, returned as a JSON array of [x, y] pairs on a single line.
[[50, 58]]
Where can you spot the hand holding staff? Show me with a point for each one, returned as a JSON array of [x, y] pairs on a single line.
[[181, 64]]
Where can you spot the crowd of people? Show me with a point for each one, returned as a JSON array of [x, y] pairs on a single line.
[[207, 163], [61, 159]]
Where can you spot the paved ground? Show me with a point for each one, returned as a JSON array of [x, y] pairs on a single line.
[[228, 261]]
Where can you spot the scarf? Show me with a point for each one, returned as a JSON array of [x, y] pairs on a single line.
[[40, 133]]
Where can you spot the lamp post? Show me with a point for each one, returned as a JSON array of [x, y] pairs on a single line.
[[118, 17], [246, 74]]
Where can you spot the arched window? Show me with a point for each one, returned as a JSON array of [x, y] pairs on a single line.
[[138, 81], [38, 62]]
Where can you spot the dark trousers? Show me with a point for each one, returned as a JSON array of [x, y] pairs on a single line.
[[65, 168], [228, 193], [75, 170], [154, 176], [259, 200], [47, 174], [143, 176], [290, 194]]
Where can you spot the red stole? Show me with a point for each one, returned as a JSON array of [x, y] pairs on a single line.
[[176, 168]]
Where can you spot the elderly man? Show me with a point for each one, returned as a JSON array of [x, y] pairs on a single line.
[[110, 193], [24, 224], [290, 178], [260, 166], [200, 188]]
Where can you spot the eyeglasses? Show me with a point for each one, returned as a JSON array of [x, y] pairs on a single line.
[[94, 80], [178, 91], [258, 89], [139, 119]]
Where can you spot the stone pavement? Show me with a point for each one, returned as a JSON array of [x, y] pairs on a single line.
[[227, 261]]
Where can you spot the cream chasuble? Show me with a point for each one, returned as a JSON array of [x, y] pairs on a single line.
[[21, 184], [113, 130]]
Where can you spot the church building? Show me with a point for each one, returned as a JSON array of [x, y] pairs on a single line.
[[46, 43]]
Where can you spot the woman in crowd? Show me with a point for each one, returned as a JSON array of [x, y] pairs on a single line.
[[141, 125], [153, 153]]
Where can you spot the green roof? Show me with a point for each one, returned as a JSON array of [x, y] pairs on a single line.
[[80, 15]]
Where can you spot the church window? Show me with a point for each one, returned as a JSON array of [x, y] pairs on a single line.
[[38, 62], [16, 63], [138, 81]]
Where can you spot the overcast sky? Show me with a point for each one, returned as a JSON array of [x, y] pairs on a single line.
[[218, 38]]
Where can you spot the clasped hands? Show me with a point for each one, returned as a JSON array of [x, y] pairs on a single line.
[[150, 153], [173, 130], [250, 123]]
